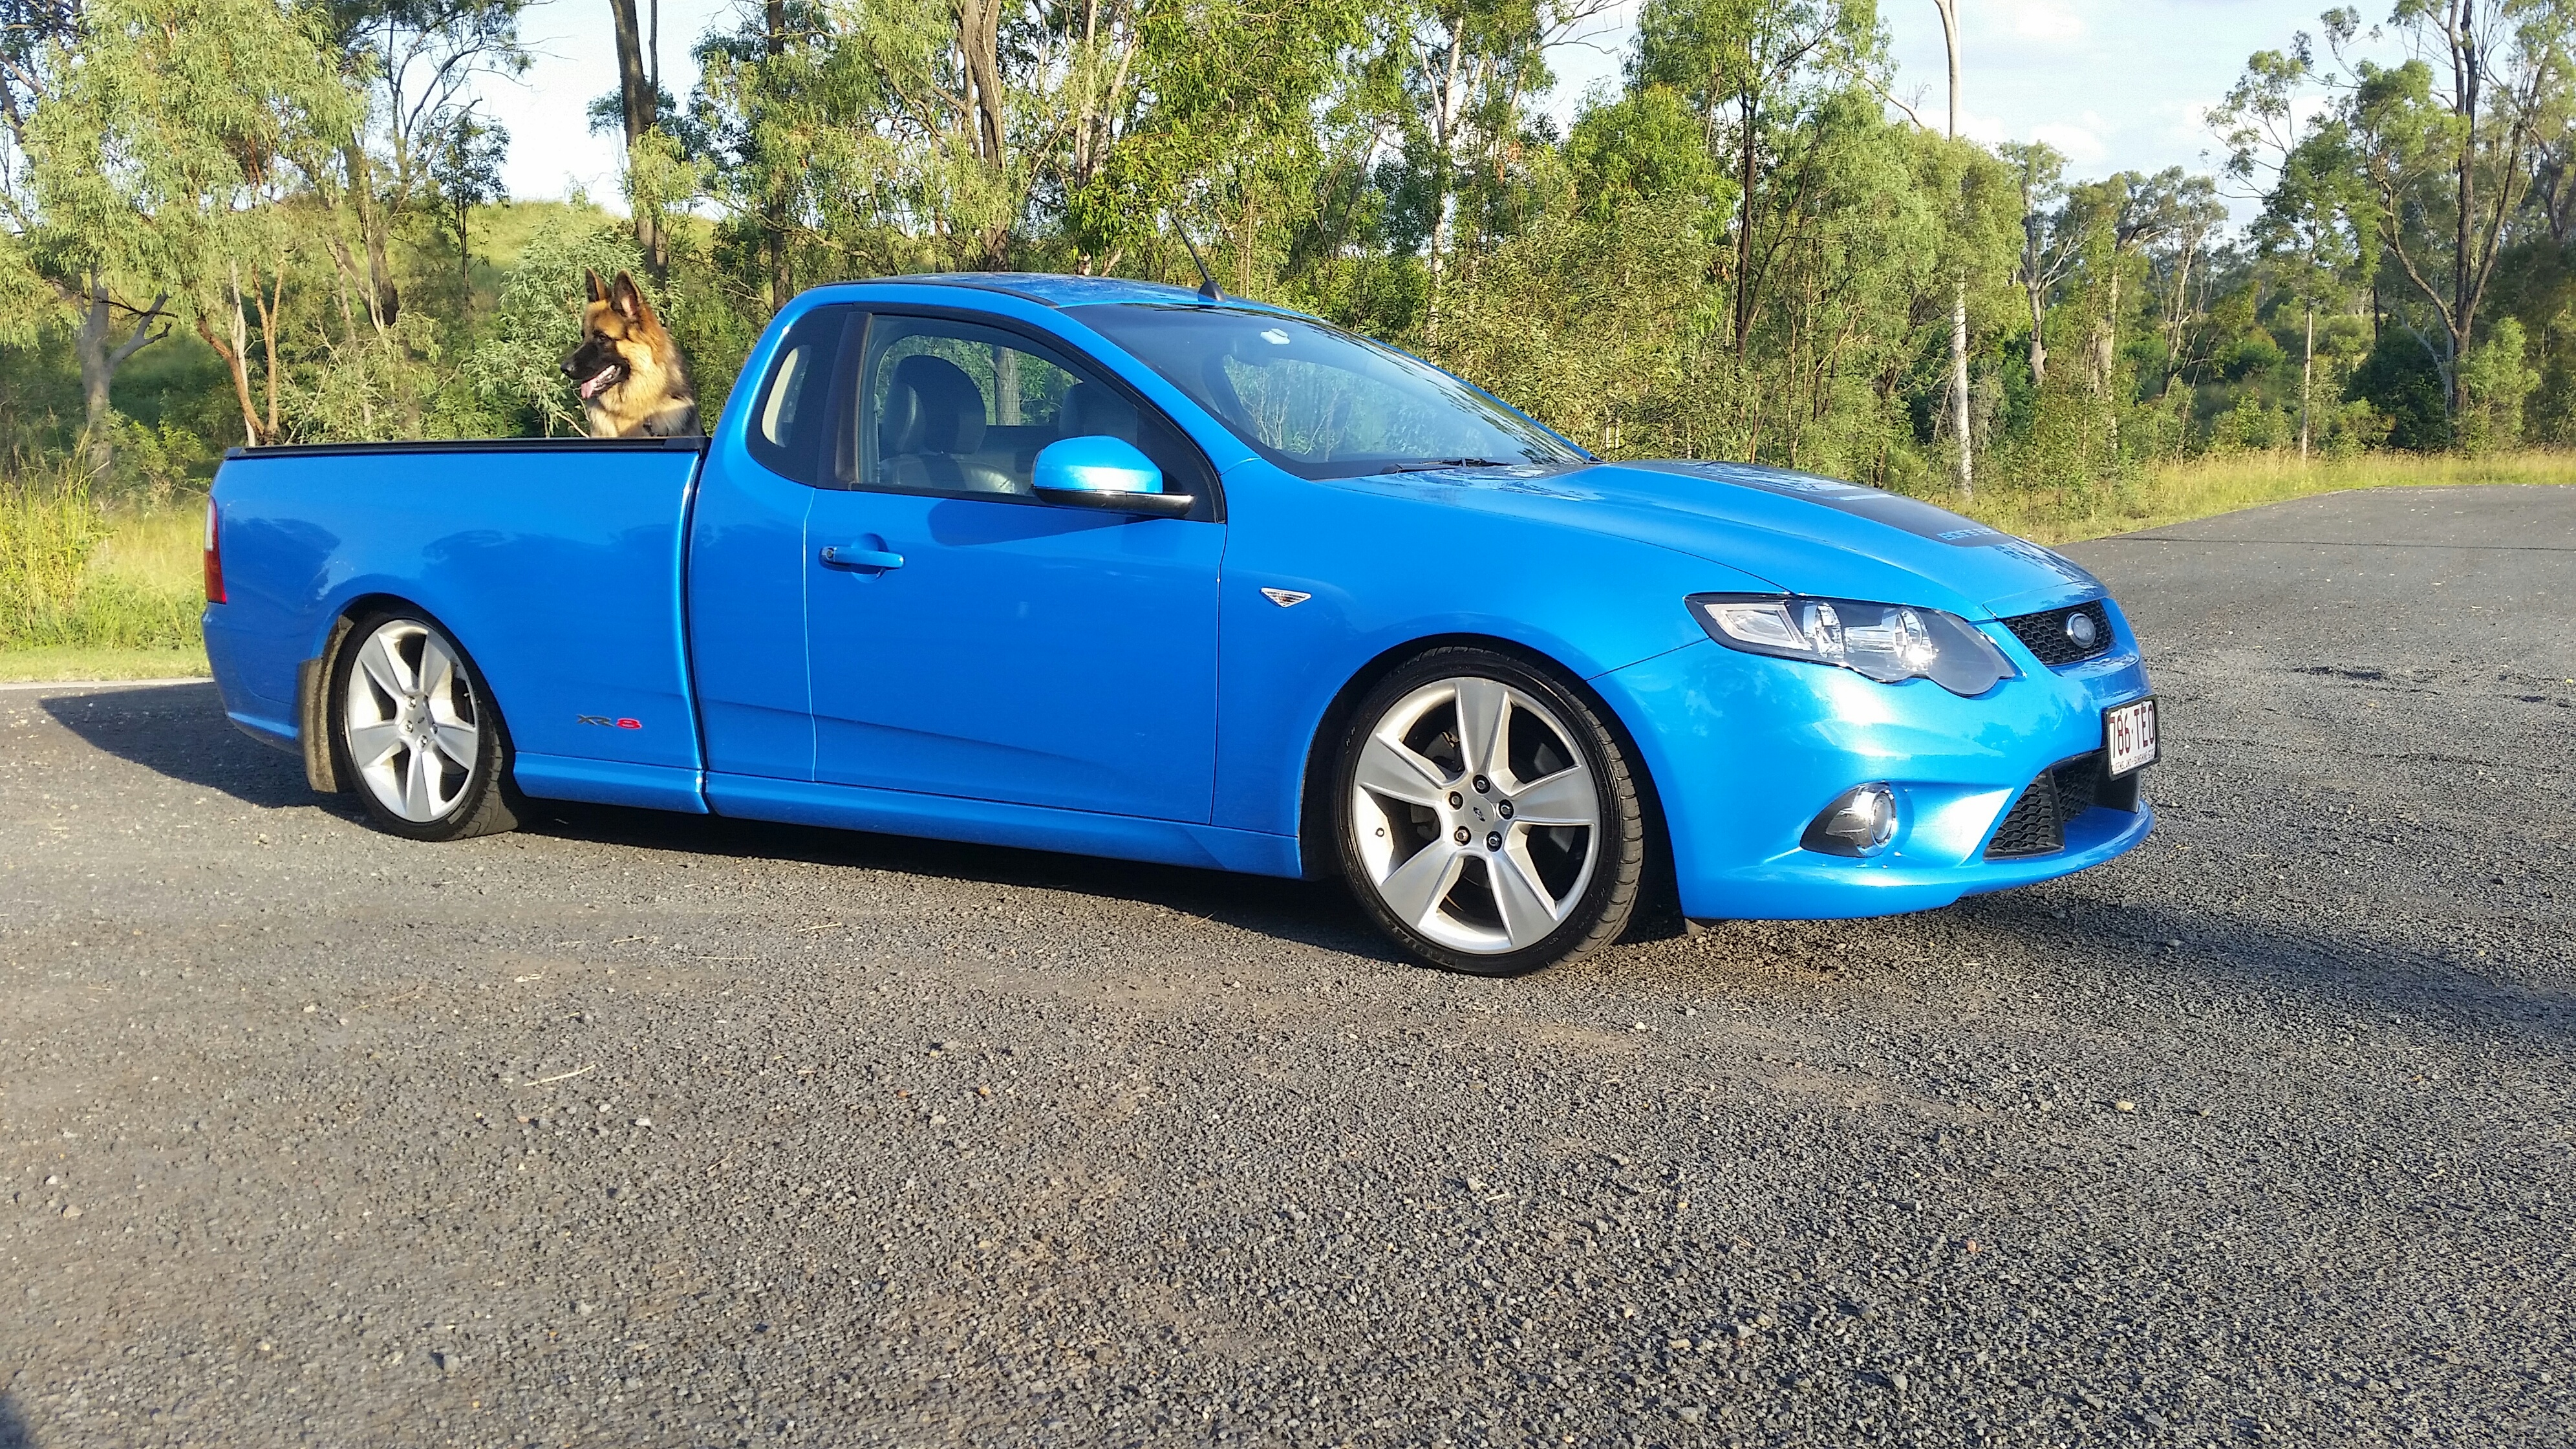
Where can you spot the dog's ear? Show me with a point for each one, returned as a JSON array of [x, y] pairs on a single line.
[[598, 288], [629, 302]]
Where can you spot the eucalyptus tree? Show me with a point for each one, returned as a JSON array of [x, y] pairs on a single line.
[[2317, 228], [1473, 69], [178, 134], [91, 277], [2448, 143], [2051, 241], [464, 164], [1758, 73], [1959, 303], [418, 62]]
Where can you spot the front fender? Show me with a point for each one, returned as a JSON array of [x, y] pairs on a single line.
[[1383, 571]]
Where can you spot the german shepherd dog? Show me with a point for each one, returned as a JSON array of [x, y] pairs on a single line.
[[634, 383]]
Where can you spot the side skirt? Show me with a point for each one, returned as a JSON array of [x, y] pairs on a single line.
[[987, 822]]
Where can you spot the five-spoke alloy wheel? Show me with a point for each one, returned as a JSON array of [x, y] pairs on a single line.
[[1487, 818], [416, 733]]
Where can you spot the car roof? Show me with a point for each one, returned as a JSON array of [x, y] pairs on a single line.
[[1054, 289]]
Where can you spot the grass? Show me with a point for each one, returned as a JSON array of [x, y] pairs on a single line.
[[92, 595], [64, 661], [2223, 483]]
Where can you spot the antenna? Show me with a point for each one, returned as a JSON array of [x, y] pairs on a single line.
[[1207, 280]]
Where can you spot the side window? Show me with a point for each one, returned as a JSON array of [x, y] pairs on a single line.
[[953, 408], [790, 422]]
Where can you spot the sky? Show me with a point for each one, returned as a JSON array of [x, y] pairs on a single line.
[[2115, 84]]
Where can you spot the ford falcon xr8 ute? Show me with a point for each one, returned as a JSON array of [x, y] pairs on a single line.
[[1125, 570]]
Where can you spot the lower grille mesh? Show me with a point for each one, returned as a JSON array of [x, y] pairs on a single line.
[[2036, 824], [2033, 826]]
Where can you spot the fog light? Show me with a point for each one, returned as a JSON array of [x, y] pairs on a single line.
[[1860, 822]]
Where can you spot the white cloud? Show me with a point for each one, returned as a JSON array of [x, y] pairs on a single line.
[[2043, 20], [1978, 126], [2079, 145]]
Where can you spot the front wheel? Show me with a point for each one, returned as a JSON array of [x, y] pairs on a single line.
[[1488, 819], [416, 732]]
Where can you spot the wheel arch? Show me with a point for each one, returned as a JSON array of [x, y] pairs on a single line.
[[313, 682], [1315, 846]]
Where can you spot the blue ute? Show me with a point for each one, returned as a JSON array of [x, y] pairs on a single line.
[[1123, 570]]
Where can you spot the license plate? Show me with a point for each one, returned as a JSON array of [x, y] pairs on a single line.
[[2129, 735]]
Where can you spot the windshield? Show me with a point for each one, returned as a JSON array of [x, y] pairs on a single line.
[[1320, 402]]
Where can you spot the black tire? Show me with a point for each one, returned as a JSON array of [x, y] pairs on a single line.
[[1595, 912], [486, 802]]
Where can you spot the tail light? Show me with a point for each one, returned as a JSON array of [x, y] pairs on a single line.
[[214, 558]]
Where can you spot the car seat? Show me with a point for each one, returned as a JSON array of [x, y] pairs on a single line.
[[1093, 411], [933, 421]]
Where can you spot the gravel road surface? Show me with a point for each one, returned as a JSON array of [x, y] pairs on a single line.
[[640, 1130]]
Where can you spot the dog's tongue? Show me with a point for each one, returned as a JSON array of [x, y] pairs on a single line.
[[591, 388]]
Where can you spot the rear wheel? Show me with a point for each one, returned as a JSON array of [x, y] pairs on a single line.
[[1487, 817], [417, 734]]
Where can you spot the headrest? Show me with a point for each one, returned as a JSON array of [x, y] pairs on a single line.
[[933, 407], [1091, 410]]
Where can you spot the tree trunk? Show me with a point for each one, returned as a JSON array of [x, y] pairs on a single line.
[[2307, 363], [1960, 417], [2111, 358], [773, 222], [272, 310], [236, 359], [1960, 421], [383, 300], [1444, 122], [2038, 336], [637, 106], [1744, 230], [979, 41], [2465, 76], [93, 342]]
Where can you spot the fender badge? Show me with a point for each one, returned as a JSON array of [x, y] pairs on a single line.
[[1285, 598]]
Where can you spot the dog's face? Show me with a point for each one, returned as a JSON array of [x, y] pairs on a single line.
[[616, 328]]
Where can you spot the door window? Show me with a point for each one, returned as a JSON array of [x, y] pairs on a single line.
[[790, 424], [952, 408]]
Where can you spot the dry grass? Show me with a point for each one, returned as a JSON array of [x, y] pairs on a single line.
[[2224, 483], [90, 594], [65, 662]]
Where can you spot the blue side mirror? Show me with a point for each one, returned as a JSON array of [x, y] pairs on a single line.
[[1105, 472]]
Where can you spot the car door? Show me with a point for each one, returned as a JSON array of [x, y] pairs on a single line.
[[746, 562], [965, 638]]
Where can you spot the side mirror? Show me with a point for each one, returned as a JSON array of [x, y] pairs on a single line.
[[1108, 473]]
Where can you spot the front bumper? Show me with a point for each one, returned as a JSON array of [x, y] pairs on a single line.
[[1745, 750]]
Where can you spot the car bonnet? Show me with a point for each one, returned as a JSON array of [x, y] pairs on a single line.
[[1800, 532]]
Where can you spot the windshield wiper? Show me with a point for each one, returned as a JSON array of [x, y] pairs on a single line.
[[1434, 465]]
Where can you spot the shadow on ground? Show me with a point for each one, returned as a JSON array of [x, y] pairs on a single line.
[[180, 731]]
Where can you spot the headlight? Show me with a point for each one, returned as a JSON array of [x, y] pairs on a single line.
[[1887, 642]]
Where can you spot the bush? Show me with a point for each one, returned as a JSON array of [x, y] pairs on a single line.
[[2494, 382], [48, 530], [72, 575], [2401, 382]]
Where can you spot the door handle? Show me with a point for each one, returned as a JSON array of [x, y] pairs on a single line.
[[850, 556]]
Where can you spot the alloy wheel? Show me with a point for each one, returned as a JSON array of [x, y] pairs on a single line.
[[1475, 819], [413, 728]]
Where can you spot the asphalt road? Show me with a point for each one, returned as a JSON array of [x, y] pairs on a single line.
[[637, 1130]]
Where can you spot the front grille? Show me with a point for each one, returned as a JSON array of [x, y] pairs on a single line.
[[2045, 634], [2033, 826], [2036, 824]]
